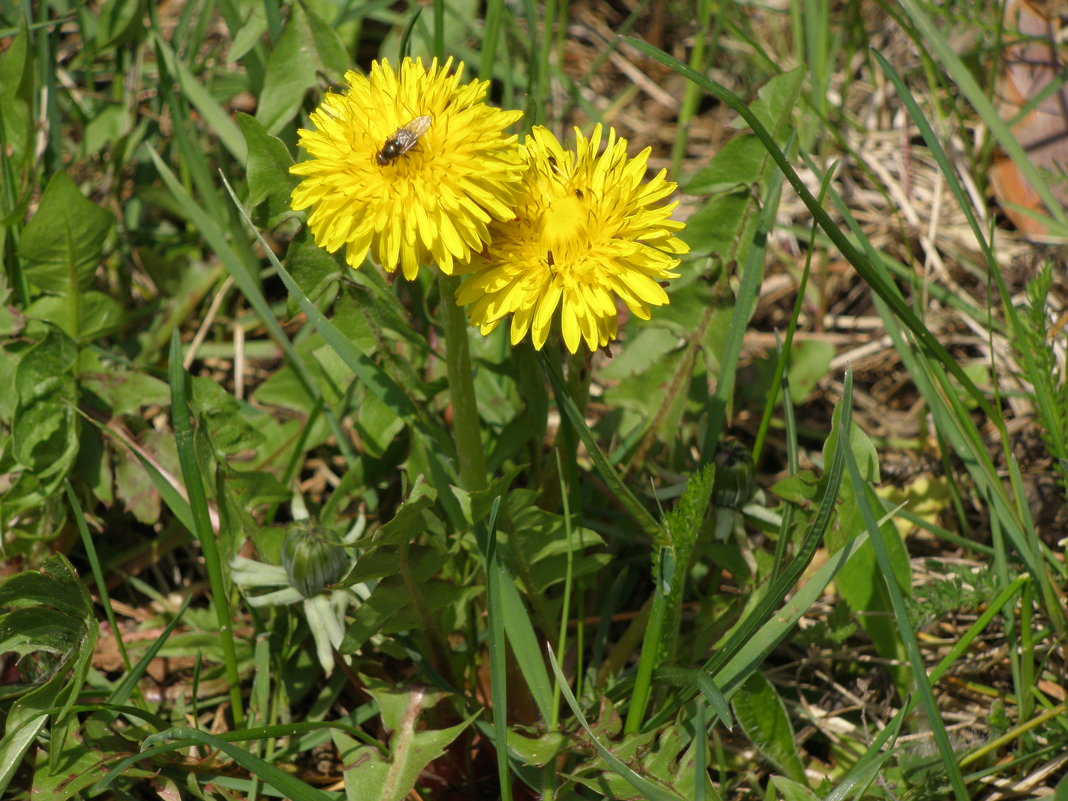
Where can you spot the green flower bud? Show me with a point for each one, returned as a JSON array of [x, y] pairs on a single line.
[[313, 558], [733, 485]]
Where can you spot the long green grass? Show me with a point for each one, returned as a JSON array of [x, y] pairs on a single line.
[[556, 577]]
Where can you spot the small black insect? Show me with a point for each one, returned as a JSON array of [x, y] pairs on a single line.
[[403, 139]]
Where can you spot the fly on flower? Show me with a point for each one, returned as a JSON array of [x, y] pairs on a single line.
[[403, 139], [364, 195]]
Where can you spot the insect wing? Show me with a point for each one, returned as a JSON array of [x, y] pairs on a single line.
[[407, 135], [403, 139]]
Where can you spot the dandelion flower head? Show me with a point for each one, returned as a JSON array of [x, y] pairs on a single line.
[[431, 203], [587, 231]]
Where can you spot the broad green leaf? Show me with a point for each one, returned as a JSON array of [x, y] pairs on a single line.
[[283, 389], [541, 536], [775, 103], [223, 418], [45, 427], [735, 164], [119, 21], [809, 362], [16, 97], [691, 295], [370, 776], [82, 315], [800, 488], [539, 750], [407, 522], [640, 352], [163, 479], [792, 790], [120, 390], [250, 33], [268, 166], [862, 586], [760, 712], [107, 125], [67, 630], [331, 53], [378, 425], [315, 271], [714, 228], [743, 171], [77, 767], [134, 487], [389, 610], [848, 521], [644, 392], [305, 46], [93, 465], [381, 563], [64, 241], [657, 758], [860, 443]]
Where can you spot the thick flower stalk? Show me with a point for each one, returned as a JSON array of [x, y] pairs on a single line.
[[410, 166], [587, 231]]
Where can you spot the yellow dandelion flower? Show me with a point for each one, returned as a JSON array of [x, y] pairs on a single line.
[[587, 230], [412, 167]]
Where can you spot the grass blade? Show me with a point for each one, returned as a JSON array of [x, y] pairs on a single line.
[[646, 788], [202, 529], [862, 263], [882, 557]]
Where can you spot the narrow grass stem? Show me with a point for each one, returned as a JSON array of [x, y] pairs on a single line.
[[579, 375], [542, 107], [779, 378], [659, 615], [490, 36], [882, 557], [561, 639], [202, 529], [1014, 734], [863, 264], [467, 434], [496, 638], [439, 30], [692, 93], [682, 527], [98, 574]]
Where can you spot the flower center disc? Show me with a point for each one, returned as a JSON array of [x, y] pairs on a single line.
[[563, 226]]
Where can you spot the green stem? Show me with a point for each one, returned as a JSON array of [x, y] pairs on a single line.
[[439, 30], [491, 33], [692, 93], [466, 431], [198, 506], [659, 615], [579, 375]]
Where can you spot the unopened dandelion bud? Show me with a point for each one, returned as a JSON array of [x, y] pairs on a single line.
[[733, 484], [312, 558]]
